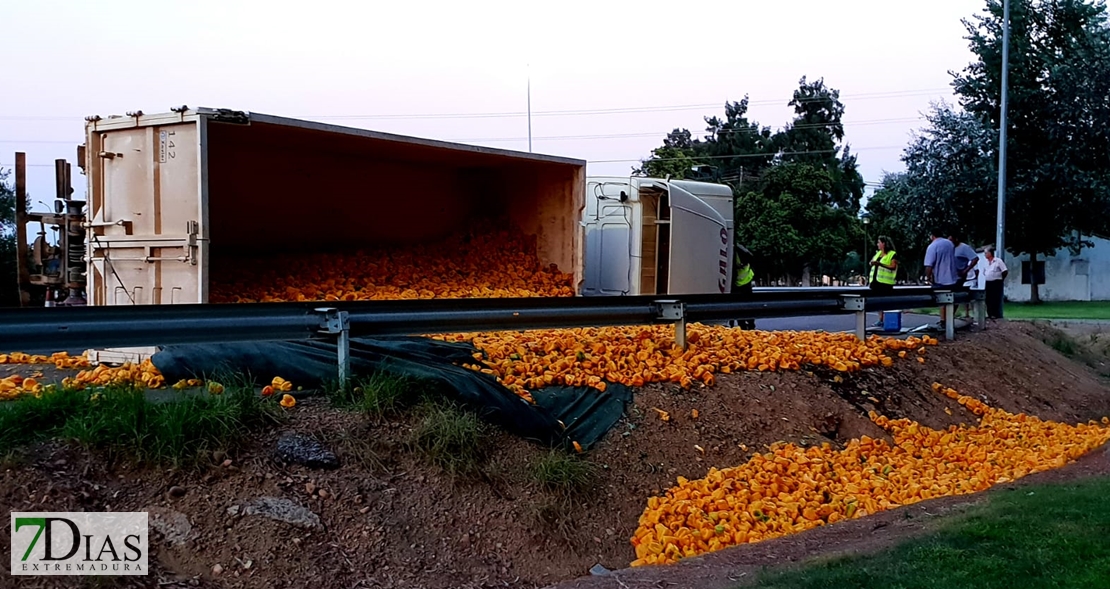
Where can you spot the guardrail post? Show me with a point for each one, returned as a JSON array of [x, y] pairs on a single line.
[[947, 301], [336, 322], [980, 302], [674, 311], [858, 304]]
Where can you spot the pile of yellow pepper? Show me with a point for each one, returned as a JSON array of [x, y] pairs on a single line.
[[143, 373], [457, 268], [635, 356], [61, 360], [790, 488], [632, 356]]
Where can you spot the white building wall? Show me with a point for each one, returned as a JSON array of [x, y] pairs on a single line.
[[1068, 277]]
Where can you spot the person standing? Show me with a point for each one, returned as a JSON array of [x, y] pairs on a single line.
[[940, 266], [995, 275], [742, 282], [966, 261], [884, 271]]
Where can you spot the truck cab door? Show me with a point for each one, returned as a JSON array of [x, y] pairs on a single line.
[[700, 246], [609, 240]]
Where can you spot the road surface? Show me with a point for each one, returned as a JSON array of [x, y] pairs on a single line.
[[836, 322]]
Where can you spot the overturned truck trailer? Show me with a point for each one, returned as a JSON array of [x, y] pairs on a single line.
[[171, 196]]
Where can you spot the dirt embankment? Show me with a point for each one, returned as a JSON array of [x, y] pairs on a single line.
[[388, 518]]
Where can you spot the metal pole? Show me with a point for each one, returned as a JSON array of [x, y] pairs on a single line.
[[866, 262], [946, 300], [857, 304], [1000, 245], [343, 348], [529, 109], [980, 309], [21, 260]]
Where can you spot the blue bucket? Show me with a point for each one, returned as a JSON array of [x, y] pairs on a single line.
[[892, 321]]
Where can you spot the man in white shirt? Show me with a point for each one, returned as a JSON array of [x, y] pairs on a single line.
[[995, 275]]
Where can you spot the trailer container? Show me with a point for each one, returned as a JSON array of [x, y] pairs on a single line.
[[171, 195]]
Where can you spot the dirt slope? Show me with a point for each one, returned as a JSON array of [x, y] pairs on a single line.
[[391, 519]]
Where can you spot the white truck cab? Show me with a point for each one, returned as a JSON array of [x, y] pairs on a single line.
[[650, 236]]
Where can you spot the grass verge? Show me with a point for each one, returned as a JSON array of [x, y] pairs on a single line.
[[1025, 538], [452, 438], [124, 423], [563, 473], [380, 395], [1092, 349], [1078, 310]]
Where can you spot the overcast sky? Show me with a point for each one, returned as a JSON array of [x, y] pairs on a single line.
[[380, 65]]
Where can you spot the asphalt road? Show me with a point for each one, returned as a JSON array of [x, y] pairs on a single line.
[[836, 322]]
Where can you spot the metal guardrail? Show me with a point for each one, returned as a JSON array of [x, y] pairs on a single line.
[[149, 325]]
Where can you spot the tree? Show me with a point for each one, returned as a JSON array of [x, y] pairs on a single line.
[[905, 215], [1059, 116], [734, 147], [787, 224], [675, 159], [815, 137], [9, 276], [784, 224], [949, 182]]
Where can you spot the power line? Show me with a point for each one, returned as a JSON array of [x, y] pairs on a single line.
[[623, 110], [705, 132], [743, 155], [615, 135], [708, 157], [554, 113]]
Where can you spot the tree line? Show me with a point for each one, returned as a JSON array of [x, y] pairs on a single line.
[[798, 190]]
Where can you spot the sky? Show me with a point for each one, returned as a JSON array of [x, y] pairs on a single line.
[[608, 78]]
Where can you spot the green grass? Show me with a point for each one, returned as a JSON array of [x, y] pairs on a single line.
[[1024, 538], [452, 438], [563, 473], [123, 423], [380, 395], [1096, 310], [1078, 310], [1062, 342], [360, 446]]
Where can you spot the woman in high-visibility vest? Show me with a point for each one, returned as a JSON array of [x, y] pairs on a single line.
[[884, 271]]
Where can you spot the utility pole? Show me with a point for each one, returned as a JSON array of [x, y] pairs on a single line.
[[1000, 246], [530, 108]]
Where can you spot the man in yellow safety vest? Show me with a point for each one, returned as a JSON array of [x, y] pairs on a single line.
[[742, 281]]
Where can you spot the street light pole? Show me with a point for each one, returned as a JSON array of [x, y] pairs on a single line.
[[529, 108], [866, 266], [1000, 245]]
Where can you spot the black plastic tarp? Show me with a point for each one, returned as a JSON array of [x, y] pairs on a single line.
[[586, 412]]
